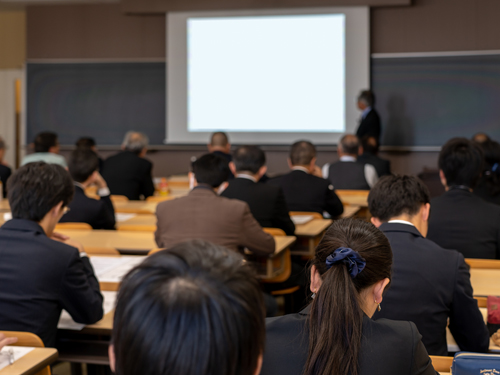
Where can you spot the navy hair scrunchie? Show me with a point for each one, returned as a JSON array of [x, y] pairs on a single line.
[[349, 257]]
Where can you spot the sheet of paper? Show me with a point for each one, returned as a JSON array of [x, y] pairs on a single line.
[[19, 351], [7, 216], [103, 265], [120, 218], [301, 219], [116, 274], [66, 322]]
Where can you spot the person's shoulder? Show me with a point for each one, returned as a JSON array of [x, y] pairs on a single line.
[[401, 329], [286, 323]]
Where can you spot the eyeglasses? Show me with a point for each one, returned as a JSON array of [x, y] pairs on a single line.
[[9, 353]]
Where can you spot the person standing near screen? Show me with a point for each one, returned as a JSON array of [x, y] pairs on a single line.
[[370, 120]]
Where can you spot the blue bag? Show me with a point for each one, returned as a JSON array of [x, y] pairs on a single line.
[[466, 363]]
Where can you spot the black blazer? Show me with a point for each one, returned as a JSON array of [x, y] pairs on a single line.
[[387, 347], [5, 173], [382, 166], [482, 190], [100, 214], [266, 202], [370, 125], [128, 174], [462, 221], [429, 285], [39, 277], [306, 192]]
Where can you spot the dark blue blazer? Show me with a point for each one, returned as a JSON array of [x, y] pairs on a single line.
[[39, 277], [429, 285]]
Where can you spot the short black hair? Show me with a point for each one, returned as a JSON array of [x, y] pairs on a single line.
[[370, 144], [350, 144], [367, 97], [219, 139], [195, 308], [82, 163], [395, 195], [461, 161], [249, 158], [302, 152], [36, 188], [45, 141], [211, 169], [85, 142]]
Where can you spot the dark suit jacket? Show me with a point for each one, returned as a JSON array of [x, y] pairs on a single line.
[[306, 192], [370, 125], [382, 166], [128, 174], [266, 202], [462, 221], [482, 190], [204, 215], [100, 214], [39, 277], [387, 347], [5, 173], [429, 285]]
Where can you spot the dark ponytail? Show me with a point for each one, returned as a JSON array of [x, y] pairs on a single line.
[[336, 317]]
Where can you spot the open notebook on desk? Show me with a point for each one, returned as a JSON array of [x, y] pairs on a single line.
[[10, 354]]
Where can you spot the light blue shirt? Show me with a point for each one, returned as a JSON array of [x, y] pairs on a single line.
[[365, 112], [47, 157]]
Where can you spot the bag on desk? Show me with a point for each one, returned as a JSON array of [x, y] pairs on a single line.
[[493, 310], [466, 363]]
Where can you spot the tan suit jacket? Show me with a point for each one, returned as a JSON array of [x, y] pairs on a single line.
[[204, 215]]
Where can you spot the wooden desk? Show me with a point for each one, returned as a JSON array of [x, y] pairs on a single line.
[[353, 197], [135, 207], [350, 211], [4, 205], [32, 362], [121, 240], [309, 235], [485, 282]]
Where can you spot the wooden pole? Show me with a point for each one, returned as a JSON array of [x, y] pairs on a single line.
[[18, 123]]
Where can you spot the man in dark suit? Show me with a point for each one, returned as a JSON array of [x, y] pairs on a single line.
[[267, 202], [348, 173], [128, 172], [369, 145], [461, 220], [100, 214], [40, 276], [370, 120], [429, 284], [203, 214], [304, 190]]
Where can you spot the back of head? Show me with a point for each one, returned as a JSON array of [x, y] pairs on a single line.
[[302, 153], [85, 142], [195, 309], [367, 98], [135, 142], [35, 188], [82, 164], [45, 141], [491, 171], [350, 144], [370, 144], [211, 169], [219, 139], [481, 137], [396, 195], [336, 317], [249, 159], [461, 161]]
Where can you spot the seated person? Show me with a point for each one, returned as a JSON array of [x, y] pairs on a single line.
[[193, 309], [128, 173], [203, 214], [423, 273], [348, 173], [40, 276], [100, 214], [335, 333], [5, 170], [488, 187], [481, 138], [461, 220], [370, 146], [267, 202], [304, 190], [219, 145], [89, 144], [46, 150]]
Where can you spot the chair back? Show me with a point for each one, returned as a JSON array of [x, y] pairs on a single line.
[[119, 198], [315, 215], [274, 231], [481, 301], [441, 364], [287, 269], [83, 226], [28, 339]]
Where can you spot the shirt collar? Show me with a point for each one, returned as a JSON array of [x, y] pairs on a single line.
[[246, 176], [299, 168], [400, 222], [347, 158], [79, 185], [365, 112]]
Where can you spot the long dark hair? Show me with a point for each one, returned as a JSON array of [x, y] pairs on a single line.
[[336, 317]]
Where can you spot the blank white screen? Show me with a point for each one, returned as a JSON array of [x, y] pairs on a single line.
[[267, 73]]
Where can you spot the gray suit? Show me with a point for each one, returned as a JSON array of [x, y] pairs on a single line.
[[204, 215]]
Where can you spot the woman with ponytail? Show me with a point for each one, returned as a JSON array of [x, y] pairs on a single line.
[[335, 335]]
